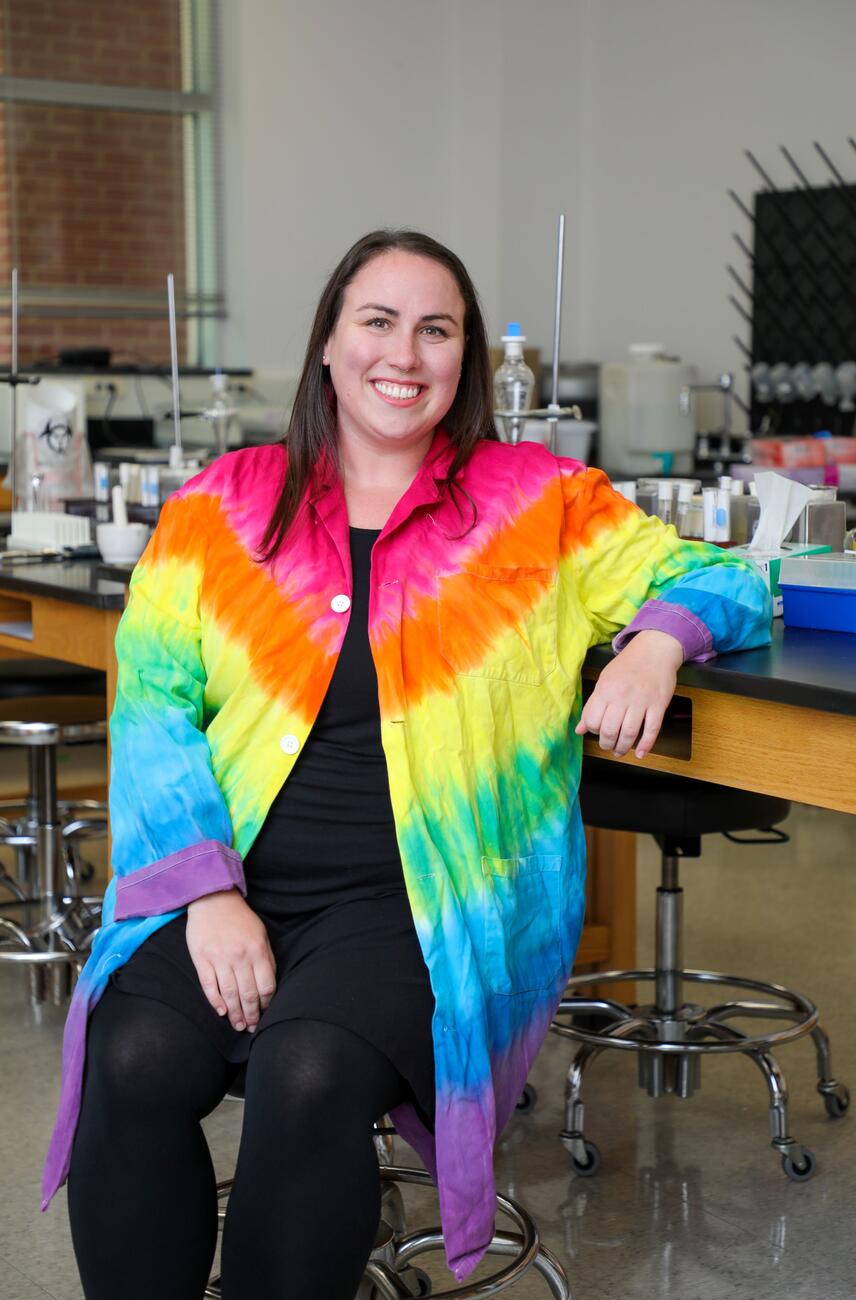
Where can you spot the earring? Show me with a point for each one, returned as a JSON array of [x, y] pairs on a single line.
[[325, 360]]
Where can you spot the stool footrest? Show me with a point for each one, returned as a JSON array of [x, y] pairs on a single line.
[[386, 1269], [792, 1005]]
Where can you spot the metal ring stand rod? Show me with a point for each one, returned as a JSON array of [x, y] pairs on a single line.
[[554, 412], [176, 452], [13, 379]]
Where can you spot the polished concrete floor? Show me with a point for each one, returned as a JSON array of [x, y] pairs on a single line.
[[690, 1202]]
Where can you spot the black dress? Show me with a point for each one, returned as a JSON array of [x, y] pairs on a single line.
[[325, 876]]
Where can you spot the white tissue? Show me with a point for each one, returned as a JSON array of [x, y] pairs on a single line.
[[782, 501]]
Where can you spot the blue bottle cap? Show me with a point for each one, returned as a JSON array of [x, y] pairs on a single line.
[[513, 330]]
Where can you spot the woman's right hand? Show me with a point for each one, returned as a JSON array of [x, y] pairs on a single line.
[[230, 949]]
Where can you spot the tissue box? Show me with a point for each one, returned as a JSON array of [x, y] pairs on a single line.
[[768, 562], [820, 592]]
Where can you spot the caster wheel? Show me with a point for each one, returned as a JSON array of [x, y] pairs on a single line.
[[589, 1167], [528, 1099], [422, 1280], [837, 1103], [802, 1171]]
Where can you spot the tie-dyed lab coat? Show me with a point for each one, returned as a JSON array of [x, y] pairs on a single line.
[[478, 635]]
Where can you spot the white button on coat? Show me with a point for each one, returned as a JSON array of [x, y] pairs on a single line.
[[289, 744], [339, 604]]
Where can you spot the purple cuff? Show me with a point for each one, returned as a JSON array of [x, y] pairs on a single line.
[[662, 616], [174, 881]]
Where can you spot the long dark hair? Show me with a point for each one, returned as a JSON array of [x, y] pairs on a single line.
[[311, 435]]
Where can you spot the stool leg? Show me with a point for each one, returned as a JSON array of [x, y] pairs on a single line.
[[385, 1283], [572, 1136], [669, 939], [836, 1096], [824, 1059], [38, 983], [792, 1152], [48, 832], [28, 858], [11, 883]]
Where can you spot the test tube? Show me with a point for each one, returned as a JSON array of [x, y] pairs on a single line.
[[723, 515], [129, 479], [685, 501], [150, 485], [664, 500], [627, 489], [101, 480], [708, 496]]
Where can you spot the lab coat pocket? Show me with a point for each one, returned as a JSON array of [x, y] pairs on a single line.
[[499, 622], [522, 944]]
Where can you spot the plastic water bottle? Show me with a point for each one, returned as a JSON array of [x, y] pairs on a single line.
[[513, 384]]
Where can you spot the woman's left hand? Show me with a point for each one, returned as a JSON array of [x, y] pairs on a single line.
[[631, 694]]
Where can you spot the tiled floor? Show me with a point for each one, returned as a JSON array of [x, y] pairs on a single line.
[[690, 1202]]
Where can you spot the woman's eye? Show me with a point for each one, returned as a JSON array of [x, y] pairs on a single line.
[[378, 320], [436, 331]]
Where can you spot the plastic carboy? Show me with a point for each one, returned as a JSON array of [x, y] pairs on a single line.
[[512, 384]]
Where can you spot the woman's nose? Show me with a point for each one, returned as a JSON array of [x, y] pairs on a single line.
[[403, 355]]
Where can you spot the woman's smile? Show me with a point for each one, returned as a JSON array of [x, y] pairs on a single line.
[[396, 393]]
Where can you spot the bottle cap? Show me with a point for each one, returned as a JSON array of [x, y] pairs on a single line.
[[513, 333]]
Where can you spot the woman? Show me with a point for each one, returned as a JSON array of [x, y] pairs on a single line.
[[346, 748]]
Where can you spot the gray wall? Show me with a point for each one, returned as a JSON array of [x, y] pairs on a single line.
[[478, 120]]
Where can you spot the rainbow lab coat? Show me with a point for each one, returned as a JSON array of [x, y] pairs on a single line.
[[478, 635]]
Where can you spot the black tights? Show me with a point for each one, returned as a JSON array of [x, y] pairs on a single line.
[[306, 1198]]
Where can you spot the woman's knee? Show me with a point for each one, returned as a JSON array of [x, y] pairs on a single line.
[[143, 1055], [319, 1073]]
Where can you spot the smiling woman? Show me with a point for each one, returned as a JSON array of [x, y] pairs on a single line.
[[346, 834]]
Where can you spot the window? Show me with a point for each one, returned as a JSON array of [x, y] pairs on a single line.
[[108, 145]]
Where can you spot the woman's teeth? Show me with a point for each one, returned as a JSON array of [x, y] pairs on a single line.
[[398, 391]]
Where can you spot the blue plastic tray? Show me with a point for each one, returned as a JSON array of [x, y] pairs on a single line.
[[829, 608]]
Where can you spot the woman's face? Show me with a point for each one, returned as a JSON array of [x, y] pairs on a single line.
[[396, 350]]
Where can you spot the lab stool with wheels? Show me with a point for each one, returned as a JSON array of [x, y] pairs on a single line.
[[390, 1272], [49, 923], [671, 1034]]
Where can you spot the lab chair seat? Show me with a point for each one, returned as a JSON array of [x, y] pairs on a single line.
[[28, 677], [49, 923], [390, 1273], [671, 1035]]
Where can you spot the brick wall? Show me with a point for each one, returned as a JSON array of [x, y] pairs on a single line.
[[115, 42], [98, 193]]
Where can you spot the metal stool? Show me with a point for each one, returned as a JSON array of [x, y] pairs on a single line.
[[390, 1275], [23, 678], [56, 921], [671, 1035]]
